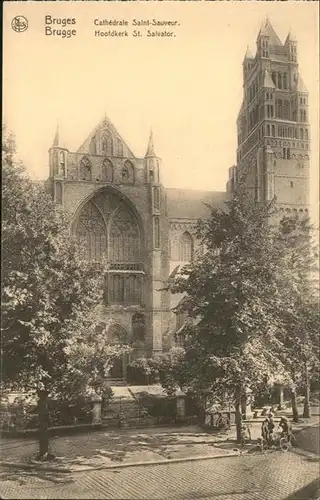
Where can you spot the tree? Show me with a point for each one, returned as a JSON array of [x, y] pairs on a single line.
[[233, 292], [299, 307], [48, 297], [170, 368]]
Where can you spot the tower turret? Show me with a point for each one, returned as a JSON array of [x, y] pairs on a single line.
[[263, 39], [273, 129], [291, 48], [152, 162], [58, 166], [247, 63]]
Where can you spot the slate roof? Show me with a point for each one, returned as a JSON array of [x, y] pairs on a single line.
[[190, 203]]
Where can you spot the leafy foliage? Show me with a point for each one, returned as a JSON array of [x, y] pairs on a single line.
[[49, 295], [243, 294]]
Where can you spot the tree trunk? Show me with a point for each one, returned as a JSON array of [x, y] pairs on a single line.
[[201, 403], [238, 414], [295, 413], [244, 406], [306, 405], [280, 400], [43, 417]]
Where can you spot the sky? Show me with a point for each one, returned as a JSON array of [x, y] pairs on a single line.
[[188, 88]]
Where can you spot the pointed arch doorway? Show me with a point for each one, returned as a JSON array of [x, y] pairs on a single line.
[[116, 334]]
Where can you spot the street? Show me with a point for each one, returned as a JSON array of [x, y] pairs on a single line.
[[274, 476]]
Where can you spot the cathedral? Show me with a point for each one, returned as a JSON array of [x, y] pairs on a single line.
[[121, 211]]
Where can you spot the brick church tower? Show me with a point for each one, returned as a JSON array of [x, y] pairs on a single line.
[[272, 125]]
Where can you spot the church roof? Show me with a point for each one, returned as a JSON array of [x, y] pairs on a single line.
[[191, 203], [268, 30], [267, 82]]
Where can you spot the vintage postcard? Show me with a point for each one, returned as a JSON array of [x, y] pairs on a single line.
[[160, 334]]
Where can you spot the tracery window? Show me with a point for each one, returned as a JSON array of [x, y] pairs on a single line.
[[91, 233], [107, 228], [186, 247], [119, 147], [93, 146], [127, 174], [125, 288], [285, 110], [85, 169], [156, 198], [107, 144], [303, 115], [278, 108], [156, 232], [107, 171], [124, 238], [116, 334]]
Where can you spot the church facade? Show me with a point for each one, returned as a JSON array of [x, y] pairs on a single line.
[[123, 214]]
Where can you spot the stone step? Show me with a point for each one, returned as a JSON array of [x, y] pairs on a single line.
[[115, 382], [128, 408]]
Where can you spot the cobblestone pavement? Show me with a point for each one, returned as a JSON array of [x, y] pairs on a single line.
[[131, 445], [273, 476], [103, 448]]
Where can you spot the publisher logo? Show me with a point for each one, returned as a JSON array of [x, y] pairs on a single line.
[[19, 24]]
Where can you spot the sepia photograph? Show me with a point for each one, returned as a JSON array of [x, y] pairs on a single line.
[[160, 250]]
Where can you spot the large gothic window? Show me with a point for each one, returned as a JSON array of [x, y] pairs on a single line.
[[186, 247], [124, 238], [108, 229], [85, 171], [91, 233], [107, 171]]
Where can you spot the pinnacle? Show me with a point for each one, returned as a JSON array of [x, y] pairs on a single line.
[[248, 54], [150, 150], [56, 138]]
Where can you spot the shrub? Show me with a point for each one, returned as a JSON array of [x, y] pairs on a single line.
[[140, 372], [159, 406]]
